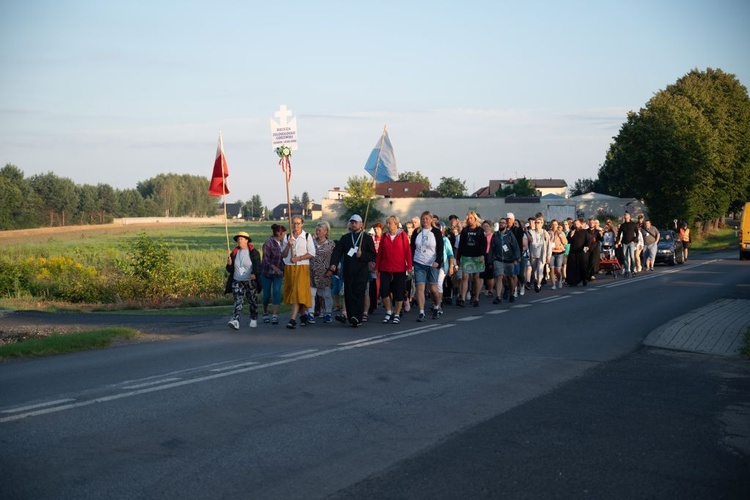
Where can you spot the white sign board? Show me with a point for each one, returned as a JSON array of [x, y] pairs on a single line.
[[284, 131]]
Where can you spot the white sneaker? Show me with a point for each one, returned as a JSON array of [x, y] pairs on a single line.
[[523, 291], [554, 287], [234, 324], [253, 323]]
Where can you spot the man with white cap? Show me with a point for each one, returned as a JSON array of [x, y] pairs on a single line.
[[357, 249]]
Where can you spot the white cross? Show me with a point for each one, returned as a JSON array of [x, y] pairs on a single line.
[[282, 114]]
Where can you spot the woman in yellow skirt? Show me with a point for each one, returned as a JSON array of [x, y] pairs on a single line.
[[298, 248]]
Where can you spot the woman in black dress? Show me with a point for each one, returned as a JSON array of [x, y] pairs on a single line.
[[577, 268]]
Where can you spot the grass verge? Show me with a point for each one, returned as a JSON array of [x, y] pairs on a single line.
[[723, 239], [64, 343]]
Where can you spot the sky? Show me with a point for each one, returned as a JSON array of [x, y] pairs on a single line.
[[118, 92]]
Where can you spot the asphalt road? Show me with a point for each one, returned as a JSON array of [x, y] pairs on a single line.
[[552, 398]]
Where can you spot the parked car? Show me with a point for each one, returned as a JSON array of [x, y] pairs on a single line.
[[669, 249]]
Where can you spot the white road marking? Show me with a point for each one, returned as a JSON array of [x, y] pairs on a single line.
[[469, 318], [555, 299], [497, 311], [232, 367], [180, 383], [40, 405], [298, 353], [154, 382], [521, 306]]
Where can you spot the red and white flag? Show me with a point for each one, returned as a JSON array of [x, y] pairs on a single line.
[[218, 186]]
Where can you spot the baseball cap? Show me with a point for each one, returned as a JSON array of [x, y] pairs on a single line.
[[510, 215], [355, 218]]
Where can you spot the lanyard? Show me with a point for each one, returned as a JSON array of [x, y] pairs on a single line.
[[355, 243]]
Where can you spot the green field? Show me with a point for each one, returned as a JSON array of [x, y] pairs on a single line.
[[122, 267]]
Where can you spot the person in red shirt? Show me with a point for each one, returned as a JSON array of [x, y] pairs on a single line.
[[393, 260]]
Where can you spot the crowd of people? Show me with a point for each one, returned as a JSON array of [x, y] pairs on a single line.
[[426, 263]]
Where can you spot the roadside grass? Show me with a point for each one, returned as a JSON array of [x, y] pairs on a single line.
[[58, 343], [722, 239]]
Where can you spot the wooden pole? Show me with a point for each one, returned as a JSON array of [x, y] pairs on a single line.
[[226, 222], [288, 199]]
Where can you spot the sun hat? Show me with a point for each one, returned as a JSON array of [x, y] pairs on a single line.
[[243, 234]]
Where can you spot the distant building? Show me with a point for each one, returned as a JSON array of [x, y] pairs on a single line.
[[399, 189], [281, 211], [234, 210], [337, 194], [543, 187]]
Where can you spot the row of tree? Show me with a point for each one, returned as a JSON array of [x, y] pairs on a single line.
[[50, 200], [686, 154]]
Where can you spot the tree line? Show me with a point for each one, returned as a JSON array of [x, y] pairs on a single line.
[[686, 154], [50, 200]]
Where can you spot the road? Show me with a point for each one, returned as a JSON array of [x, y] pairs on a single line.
[[554, 397]]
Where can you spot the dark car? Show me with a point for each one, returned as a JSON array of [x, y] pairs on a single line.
[[669, 249]]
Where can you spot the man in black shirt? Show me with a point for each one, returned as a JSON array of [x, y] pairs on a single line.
[[627, 238]]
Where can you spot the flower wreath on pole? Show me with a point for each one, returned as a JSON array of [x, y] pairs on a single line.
[[285, 153]]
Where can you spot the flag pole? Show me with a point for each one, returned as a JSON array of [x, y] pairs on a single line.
[[374, 177], [226, 222], [288, 202]]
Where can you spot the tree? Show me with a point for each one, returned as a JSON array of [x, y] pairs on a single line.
[[20, 206], [521, 187], [58, 195], [361, 193], [305, 201], [451, 187], [416, 177], [687, 153], [583, 186]]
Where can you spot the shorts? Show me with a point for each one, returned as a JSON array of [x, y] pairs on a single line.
[[425, 274], [557, 259], [392, 283], [504, 268], [471, 265]]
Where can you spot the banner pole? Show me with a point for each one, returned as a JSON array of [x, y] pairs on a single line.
[[374, 177]]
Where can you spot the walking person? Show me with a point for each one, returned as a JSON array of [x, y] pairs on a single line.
[[577, 267], [627, 238], [594, 252], [243, 266], [320, 279], [557, 243], [651, 238], [272, 273], [471, 251], [684, 236], [538, 252], [297, 251], [427, 256], [392, 262], [506, 254], [357, 250]]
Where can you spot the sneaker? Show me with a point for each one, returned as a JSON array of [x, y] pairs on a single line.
[[434, 313], [266, 318], [537, 288], [396, 319], [523, 290], [554, 287], [274, 320], [234, 324], [475, 303], [497, 301], [440, 312], [311, 318], [341, 318], [421, 318], [460, 303], [505, 294], [292, 324], [354, 322], [253, 323], [387, 318], [327, 318], [303, 319]]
